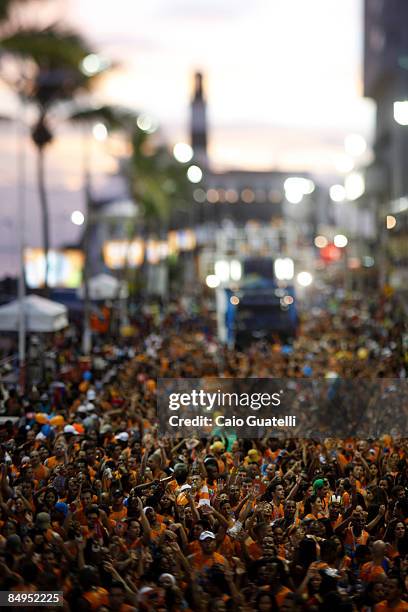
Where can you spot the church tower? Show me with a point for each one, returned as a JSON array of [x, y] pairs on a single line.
[[199, 121]]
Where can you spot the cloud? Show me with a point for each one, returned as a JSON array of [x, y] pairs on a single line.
[[208, 10]]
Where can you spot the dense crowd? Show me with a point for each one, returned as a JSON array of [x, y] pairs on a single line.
[[96, 504]]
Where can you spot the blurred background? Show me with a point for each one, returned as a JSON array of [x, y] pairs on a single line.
[[250, 152]]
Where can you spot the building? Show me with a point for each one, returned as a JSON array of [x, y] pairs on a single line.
[[241, 196], [386, 82]]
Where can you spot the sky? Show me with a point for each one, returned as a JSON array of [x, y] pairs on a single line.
[[283, 84]]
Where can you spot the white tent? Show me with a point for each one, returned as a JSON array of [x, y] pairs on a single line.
[[41, 315], [105, 287]]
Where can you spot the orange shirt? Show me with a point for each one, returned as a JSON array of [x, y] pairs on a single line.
[[281, 595], [40, 472], [277, 511], [370, 572], [254, 549], [118, 515], [53, 461], [97, 598], [351, 540], [201, 561], [383, 606]]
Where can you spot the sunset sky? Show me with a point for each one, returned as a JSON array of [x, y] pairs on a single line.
[[283, 80]]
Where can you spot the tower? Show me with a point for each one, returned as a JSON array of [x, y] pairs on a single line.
[[199, 121]]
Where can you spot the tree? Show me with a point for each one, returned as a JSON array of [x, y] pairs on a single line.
[[50, 72], [156, 181]]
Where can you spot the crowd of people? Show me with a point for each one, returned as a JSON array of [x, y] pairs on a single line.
[[96, 504]]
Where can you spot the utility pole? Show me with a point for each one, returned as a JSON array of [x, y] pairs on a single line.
[[86, 334], [21, 185]]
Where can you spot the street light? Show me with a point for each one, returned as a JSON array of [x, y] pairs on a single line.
[[390, 222], [77, 217], [340, 241], [212, 281], [320, 242], [93, 64], [100, 132], [355, 145], [194, 174], [337, 193], [284, 268], [401, 112], [304, 279], [354, 186], [296, 187], [183, 152], [146, 123]]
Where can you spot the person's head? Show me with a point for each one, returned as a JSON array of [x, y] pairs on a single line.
[[44, 453], [86, 498], [378, 550], [10, 527], [268, 546], [154, 462], [217, 448], [393, 461], [211, 465], [278, 492], [88, 577], [384, 484], [180, 473], [373, 470], [264, 602], [313, 505], [270, 471], [19, 505], [394, 587], [13, 544], [334, 507], [59, 450], [27, 489], [50, 497], [357, 517], [400, 530], [316, 581], [92, 515], [117, 498], [225, 508], [35, 458], [289, 604], [289, 509], [234, 494], [358, 472], [43, 521], [197, 530], [150, 514], [320, 487], [48, 557], [374, 592], [117, 594], [133, 529], [279, 535], [167, 581], [207, 542]]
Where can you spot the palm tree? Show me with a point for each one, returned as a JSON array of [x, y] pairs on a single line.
[[159, 184], [156, 181], [50, 73]]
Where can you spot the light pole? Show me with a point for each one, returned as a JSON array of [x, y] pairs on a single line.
[[87, 334]]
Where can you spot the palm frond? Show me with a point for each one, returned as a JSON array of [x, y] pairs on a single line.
[[114, 117], [51, 47]]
